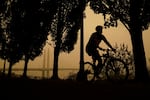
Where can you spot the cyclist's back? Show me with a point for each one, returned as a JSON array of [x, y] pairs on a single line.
[[93, 43]]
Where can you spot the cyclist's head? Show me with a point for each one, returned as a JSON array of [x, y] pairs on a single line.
[[99, 28]]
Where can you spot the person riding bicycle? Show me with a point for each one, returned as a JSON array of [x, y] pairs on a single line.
[[93, 45]]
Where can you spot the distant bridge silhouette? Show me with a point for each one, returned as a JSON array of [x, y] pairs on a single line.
[[44, 72]]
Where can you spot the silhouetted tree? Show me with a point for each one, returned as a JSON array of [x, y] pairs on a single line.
[[135, 16], [26, 29], [29, 28], [64, 28], [5, 51]]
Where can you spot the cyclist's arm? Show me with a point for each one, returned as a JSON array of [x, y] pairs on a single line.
[[105, 40]]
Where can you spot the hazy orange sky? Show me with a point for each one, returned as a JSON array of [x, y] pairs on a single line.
[[114, 35]]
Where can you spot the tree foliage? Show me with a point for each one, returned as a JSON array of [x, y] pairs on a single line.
[[114, 10], [25, 26], [68, 15], [5, 6]]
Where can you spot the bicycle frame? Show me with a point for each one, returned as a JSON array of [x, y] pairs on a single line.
[[105, 58]]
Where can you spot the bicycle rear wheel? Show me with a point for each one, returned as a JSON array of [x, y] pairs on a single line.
[[89, 71], [116, 69]]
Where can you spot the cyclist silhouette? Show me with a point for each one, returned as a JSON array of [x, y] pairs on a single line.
[[93, 45]]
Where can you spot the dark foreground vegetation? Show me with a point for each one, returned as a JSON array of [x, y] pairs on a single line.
[[48, 89]]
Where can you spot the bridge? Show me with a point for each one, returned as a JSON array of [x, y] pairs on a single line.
[[43, 72]]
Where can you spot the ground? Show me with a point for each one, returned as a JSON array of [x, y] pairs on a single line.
[[46, 89]]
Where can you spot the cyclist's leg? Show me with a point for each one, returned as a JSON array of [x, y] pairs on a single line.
[[99, 65], [96, 57], [94, 60], [94, 66]]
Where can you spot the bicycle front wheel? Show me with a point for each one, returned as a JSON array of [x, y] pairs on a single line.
[[116, 69]]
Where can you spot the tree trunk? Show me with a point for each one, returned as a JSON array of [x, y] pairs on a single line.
[[10, 68], [25, 66], [58, 43], [55, 65], [4, 67], [141, 72]]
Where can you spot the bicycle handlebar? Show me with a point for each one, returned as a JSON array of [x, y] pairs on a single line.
[[108, 51]]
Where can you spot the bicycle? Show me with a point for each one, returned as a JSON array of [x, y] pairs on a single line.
[[114, 68]]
